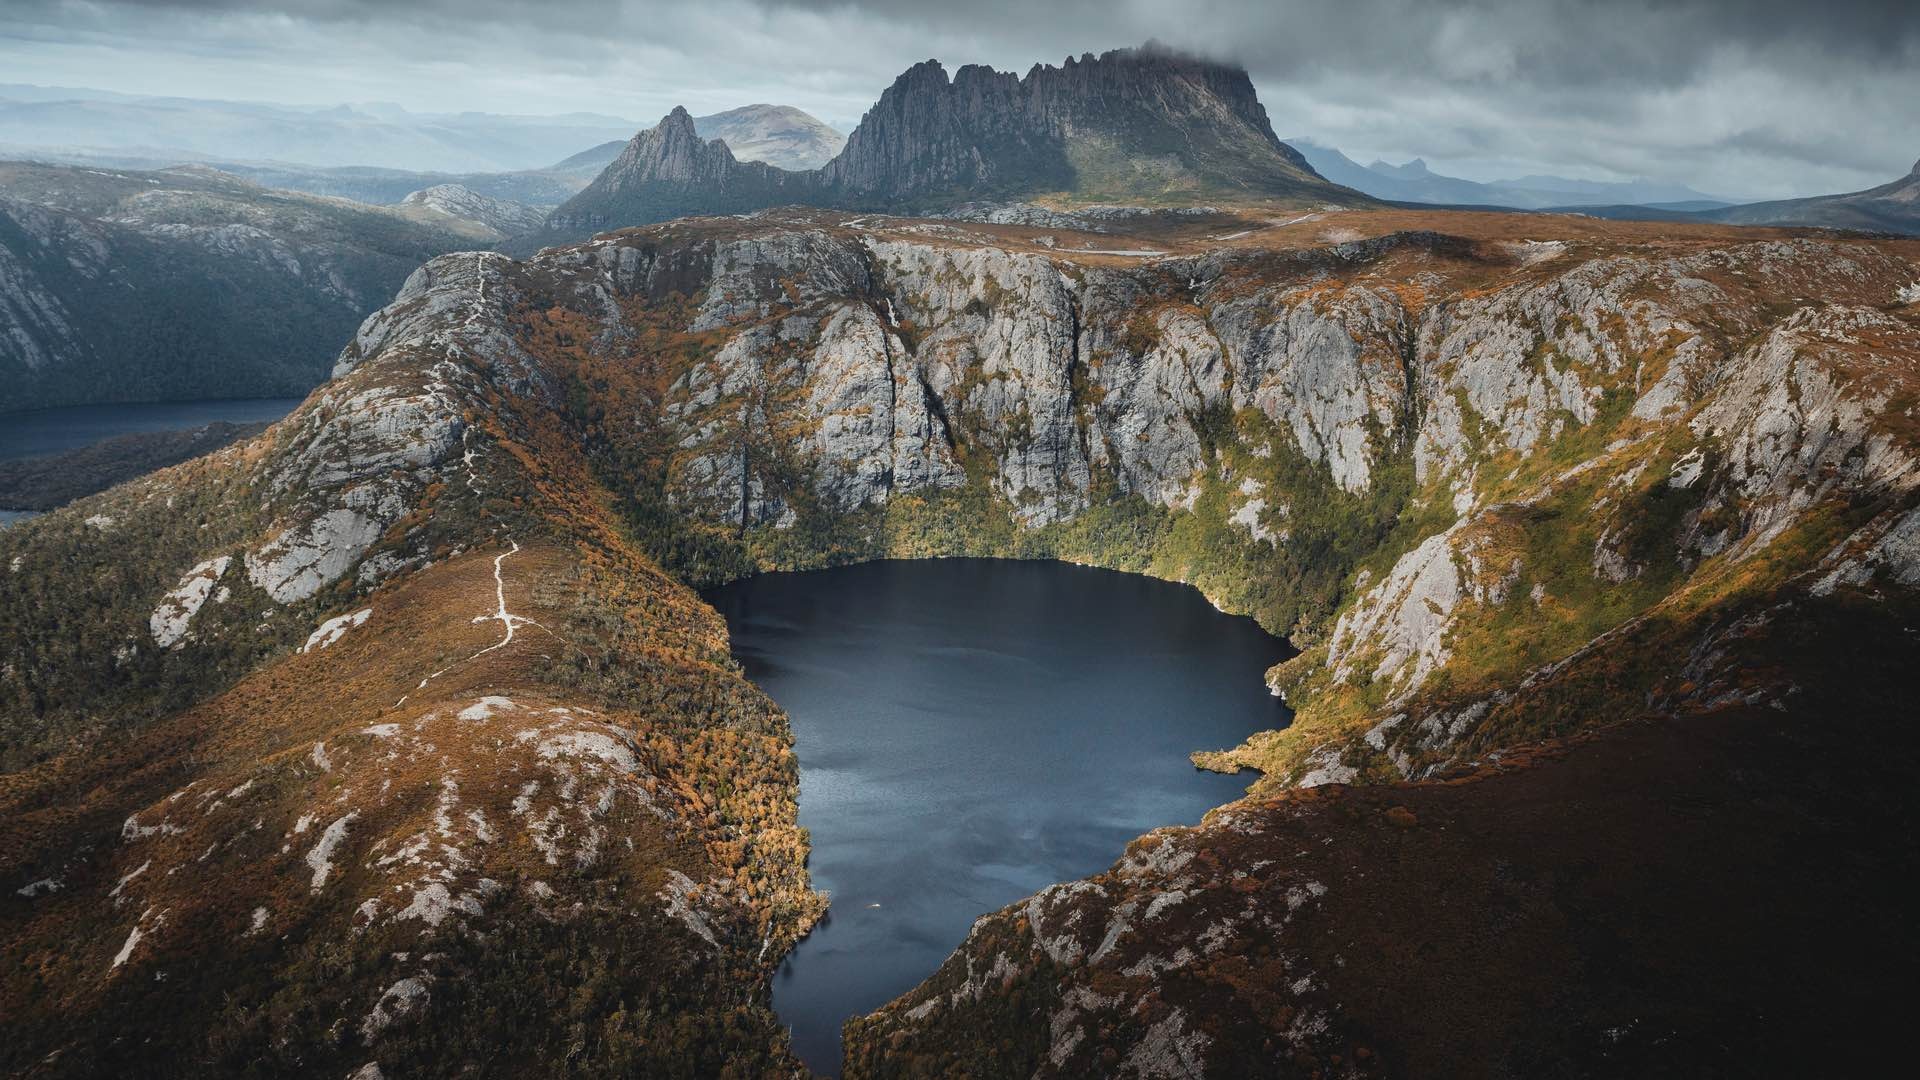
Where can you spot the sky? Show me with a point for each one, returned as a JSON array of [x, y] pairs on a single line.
[[1746, 98]]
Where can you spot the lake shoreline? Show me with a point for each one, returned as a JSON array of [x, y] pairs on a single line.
[[932, 701]]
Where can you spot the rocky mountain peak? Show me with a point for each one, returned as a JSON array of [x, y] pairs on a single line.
[[669, 171], [670, 151], [1145, 118], [1131, 125]]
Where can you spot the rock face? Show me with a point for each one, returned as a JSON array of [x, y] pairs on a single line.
[[137, 286], [1143, 123], [1194, 124]]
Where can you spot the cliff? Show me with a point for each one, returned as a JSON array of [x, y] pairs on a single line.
[[1597, 539]]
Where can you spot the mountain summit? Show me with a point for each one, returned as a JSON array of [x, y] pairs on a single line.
[[1131, 125], [669, 171], [779, 135], [1143, 123]]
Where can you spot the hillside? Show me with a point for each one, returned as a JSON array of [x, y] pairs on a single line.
[[54, 480], [1143, 126], [139, 286], [1597, 537], [1892, 207], [459, 208]]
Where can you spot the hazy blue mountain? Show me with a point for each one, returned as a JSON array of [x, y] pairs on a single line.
[[1892, 207], [382, 134], [1413, 181]]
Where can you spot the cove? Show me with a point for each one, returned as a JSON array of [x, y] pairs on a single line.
[[971, 731]]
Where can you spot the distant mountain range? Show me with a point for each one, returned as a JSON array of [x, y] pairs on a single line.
[[1893, 207], [187, 129], [1415, 182], [1144, 125], [777, 134]]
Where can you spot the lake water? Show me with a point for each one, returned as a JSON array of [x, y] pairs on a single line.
[[50, 431], [971, 731]]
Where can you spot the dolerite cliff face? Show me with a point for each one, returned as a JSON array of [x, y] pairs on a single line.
[[1134, 125], [1126, 124], [143, 286], [668, 171], [1600, 543]]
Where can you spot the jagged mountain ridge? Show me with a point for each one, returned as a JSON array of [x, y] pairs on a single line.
[[1505, 487], [1175, 124], [1128, 125]]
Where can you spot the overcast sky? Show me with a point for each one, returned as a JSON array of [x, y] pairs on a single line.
[[1758, 98]]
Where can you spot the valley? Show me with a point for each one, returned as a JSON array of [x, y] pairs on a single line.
[[1488, 472]]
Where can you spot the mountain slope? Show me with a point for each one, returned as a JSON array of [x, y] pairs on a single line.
[[406, 703], [779, 135], [132, 286], [1892, 207]]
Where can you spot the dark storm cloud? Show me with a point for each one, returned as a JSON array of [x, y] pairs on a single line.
[[1760, 97]]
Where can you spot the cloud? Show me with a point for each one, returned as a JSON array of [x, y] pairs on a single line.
[[1745, 97]]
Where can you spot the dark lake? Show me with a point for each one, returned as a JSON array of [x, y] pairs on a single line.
[[50, 431], [973, 730]]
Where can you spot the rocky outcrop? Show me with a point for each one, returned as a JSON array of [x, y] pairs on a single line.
[[499, 217]]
